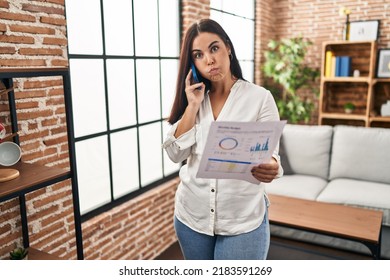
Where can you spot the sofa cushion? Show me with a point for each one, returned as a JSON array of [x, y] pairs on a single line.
[[299, 186], [361, 153], [359, 193], [284, 161], [307, 148]]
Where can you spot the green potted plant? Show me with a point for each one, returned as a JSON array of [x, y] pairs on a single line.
[[284, 63], [19, 253], [349, 107]]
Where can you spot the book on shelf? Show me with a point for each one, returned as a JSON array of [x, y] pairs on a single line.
[[343, 66], [333, 67], [328, 63], [337, 66]]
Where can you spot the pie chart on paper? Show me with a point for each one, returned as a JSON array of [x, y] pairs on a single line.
[[228, 143]]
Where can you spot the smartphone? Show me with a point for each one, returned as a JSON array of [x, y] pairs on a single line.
[[194, 73]]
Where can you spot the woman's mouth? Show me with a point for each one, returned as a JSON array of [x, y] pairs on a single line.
[[215, 74], [213, 71]]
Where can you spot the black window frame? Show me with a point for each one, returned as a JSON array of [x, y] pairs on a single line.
[[104, 57]]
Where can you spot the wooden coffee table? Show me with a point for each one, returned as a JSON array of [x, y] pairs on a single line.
[[356, 224]]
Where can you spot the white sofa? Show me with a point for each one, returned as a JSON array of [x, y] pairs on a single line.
[[343, 164]]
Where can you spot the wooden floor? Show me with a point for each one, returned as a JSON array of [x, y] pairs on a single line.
[[283, 249]]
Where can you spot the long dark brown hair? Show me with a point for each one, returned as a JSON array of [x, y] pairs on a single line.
[[206, 25]]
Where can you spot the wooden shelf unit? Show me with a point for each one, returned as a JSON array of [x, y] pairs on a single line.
[[34, 176], [367, 92]]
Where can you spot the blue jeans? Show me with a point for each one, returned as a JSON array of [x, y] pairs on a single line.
[[252, 245]]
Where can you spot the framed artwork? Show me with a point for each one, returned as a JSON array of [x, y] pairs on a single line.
[[364, 30], [383, 65]]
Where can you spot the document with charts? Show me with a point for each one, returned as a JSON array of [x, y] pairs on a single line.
[[233, 148]]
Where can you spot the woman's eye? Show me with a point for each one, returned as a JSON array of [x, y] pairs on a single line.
[[214, 48], [197, 55]]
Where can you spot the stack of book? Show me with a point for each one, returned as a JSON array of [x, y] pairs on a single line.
[[337, 66]]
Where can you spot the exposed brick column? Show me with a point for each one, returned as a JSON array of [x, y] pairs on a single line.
[[265, 31], [33, 34], [194, 10]]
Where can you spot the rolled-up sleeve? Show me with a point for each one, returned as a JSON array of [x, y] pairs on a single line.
[[269, 112], [276, 156], [179, 149]]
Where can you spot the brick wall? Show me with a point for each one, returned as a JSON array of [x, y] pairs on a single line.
[[141, 228], [193, 10], [32, 34], [264, 29]]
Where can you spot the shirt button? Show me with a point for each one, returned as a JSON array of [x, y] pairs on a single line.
[[212, 210], [212, 190]]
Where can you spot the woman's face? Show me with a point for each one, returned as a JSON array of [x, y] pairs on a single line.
[[211, 56]]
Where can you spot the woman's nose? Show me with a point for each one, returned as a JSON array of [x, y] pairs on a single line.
[[209, 59]]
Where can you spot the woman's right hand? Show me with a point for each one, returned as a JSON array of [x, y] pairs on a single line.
[[195, 96], [194, 92]]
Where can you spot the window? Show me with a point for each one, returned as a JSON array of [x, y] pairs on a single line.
[[238, 20], [123, 58]]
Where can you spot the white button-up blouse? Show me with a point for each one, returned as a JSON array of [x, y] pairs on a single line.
[[220, 206]]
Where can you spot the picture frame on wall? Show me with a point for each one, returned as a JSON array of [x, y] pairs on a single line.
[[367, 30], [383, 64]]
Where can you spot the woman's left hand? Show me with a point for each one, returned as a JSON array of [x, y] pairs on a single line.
[[266, 172]]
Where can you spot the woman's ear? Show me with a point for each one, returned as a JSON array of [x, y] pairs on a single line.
[[229, 50], [227, 45]]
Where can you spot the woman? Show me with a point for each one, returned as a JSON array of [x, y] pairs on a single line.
[[217, 218]]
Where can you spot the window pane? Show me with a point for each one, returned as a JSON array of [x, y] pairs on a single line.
[[169, 166], [217, 16], [169, 31], [148, 90], [243, 41], [146, 27], [93, 173], [124, 152], [118, 27], [121, 92], [89, 105], [247, 70], [243, 8], [246, 9], [151, 153], [169, 69], [130, 90], [84, 36], [241, 20], [216, 4]]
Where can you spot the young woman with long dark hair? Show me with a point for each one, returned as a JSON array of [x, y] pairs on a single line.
[[217, 218]]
